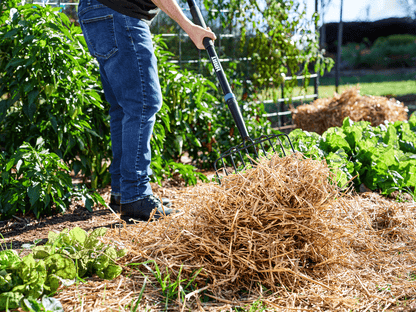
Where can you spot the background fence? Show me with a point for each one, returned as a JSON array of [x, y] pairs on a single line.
[[188, 57]]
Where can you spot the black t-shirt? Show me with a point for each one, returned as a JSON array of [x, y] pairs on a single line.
[[145, 10]]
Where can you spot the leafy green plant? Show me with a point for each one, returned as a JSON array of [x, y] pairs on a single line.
[[66, 256], [89, 254], [382, 157], [26, 278], [398, 39], [50, 88], [386, 52], [35, 180], [278, 37]]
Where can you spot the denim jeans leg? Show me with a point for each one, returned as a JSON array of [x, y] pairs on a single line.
[[143, 99], [130, 72], [116, 117]]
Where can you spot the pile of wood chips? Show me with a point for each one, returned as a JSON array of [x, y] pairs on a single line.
[[280, 232], [330, 112]]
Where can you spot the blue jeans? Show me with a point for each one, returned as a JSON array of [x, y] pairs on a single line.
[[128, 68]]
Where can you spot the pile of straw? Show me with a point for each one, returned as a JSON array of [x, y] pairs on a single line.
[[267, 225], [325, 113], [281, 226]]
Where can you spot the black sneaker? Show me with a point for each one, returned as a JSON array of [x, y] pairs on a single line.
[[115, 202], [142, 209]]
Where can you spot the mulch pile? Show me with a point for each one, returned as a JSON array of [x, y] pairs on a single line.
[[330, 112], [281, 232]]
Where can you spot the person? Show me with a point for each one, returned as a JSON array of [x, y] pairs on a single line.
[[117, 34]]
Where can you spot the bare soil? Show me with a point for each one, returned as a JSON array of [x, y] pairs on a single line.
[[26, 229]]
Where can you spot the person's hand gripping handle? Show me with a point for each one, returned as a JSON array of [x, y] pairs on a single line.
[[199, 20]]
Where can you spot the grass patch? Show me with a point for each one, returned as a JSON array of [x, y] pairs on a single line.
[[394, 88], [382, 88]]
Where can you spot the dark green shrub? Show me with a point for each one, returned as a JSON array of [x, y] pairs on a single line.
[[352, 54], [49, 88], [35, 180], [395, 40], [386, 52]]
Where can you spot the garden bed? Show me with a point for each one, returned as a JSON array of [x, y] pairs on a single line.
[[338, 252]]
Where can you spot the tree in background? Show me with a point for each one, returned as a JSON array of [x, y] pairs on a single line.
[[277, 35]]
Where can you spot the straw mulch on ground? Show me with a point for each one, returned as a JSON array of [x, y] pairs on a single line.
[[280, 232], [330, 112]]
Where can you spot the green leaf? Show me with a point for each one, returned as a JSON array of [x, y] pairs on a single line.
[[412, 121], [52, 283], [7, 281], [34, 192], [92, 240], [15, 63], [30, 108], [65, 19], [11, 33], [9, 259], [53, 237], [31, 305], [28, 39], [121, 253], [334, 141], [28, 87], [100, 263], [60, 266], [10, 300], [10, 164], [89, 203], [78, 235], [390, 137], [4, 106], [42, 252], [111, 271]]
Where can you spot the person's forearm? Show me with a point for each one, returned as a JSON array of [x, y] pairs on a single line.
[[195, 32], [171, 8]]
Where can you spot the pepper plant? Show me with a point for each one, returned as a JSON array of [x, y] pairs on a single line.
[[34, 180], [50, 88]]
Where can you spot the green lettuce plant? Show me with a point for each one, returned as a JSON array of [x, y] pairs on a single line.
[[382, 157], [26, 277], [90, 255], [64, 258]]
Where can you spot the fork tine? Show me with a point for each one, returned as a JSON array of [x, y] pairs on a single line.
[[236, 156]]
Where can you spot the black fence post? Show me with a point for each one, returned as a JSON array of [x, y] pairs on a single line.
[[338, 65]]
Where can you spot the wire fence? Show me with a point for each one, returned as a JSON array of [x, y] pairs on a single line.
[[188, 57]]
